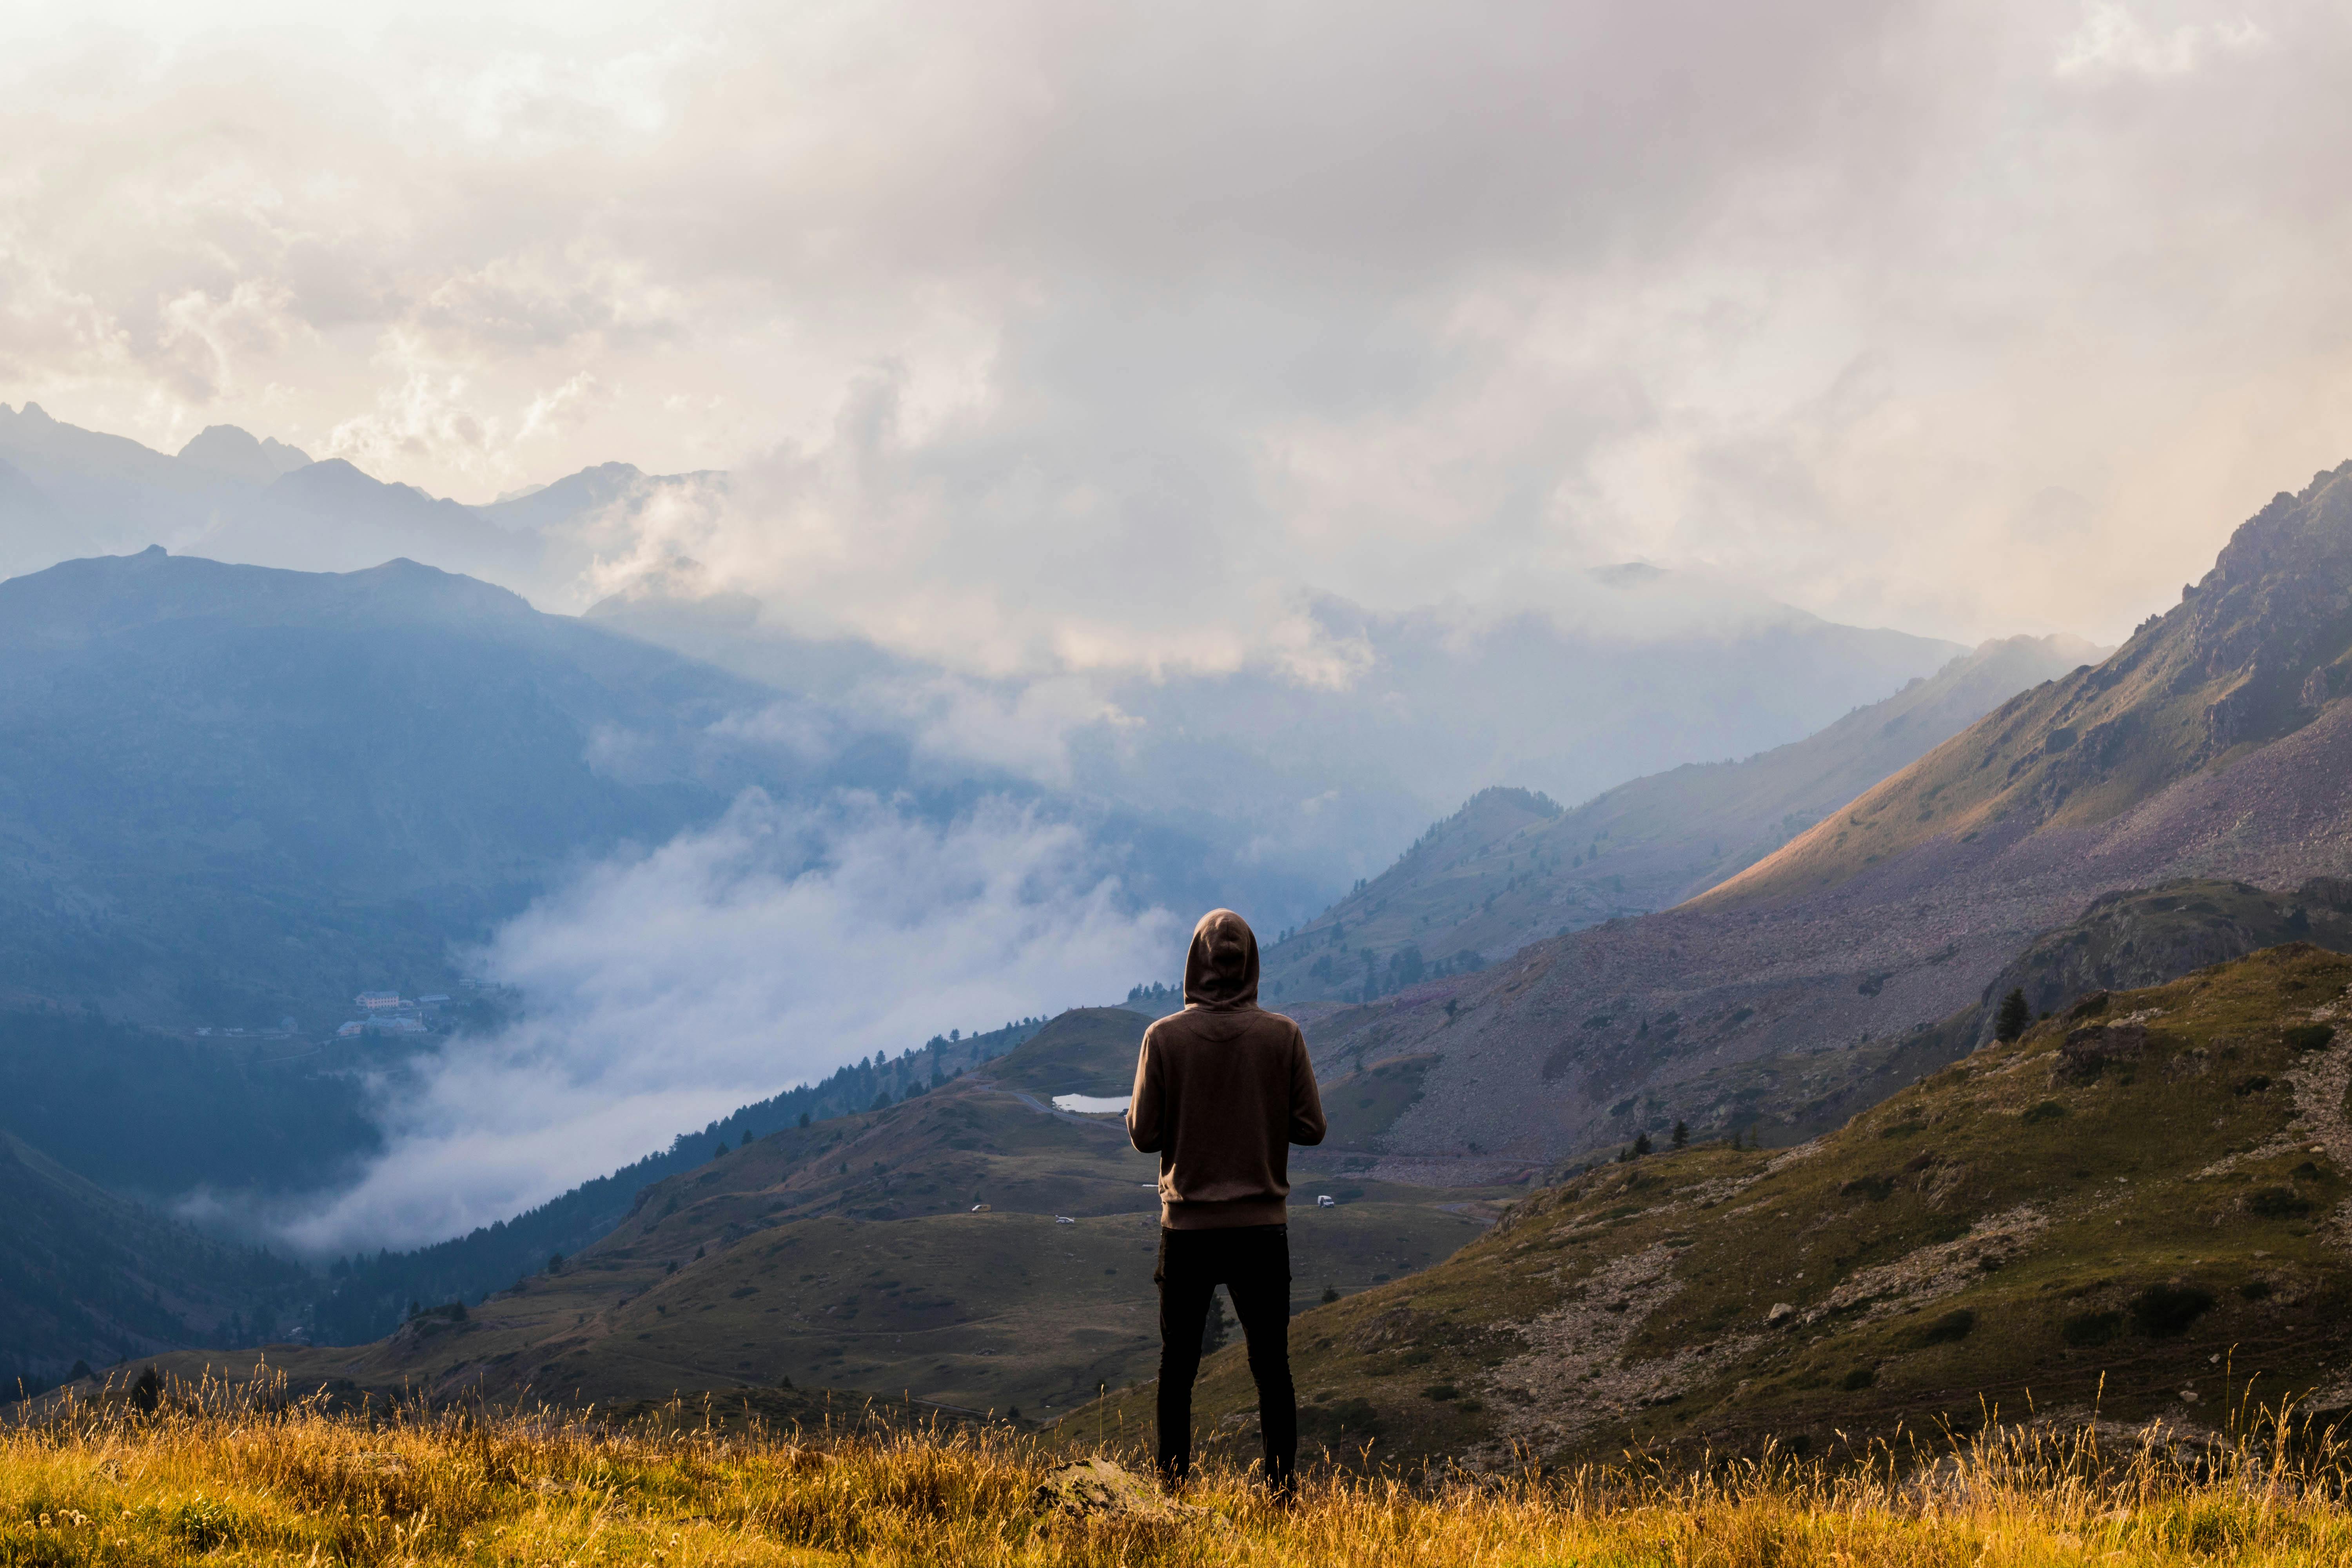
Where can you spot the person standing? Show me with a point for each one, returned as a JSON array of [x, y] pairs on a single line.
[[1221, 1090]]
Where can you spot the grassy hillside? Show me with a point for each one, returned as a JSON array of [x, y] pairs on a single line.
[[2137, 1209], [1086, 1050], [1510, 868], [365, 1297], [848, 1254]]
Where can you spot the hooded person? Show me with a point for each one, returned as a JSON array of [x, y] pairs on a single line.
[[1221, 1090]]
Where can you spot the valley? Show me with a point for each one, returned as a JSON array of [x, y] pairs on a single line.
[[640, 647], [1802, 949], [968, 1245]]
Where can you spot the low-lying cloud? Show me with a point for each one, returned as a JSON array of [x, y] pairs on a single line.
[[668, 988]]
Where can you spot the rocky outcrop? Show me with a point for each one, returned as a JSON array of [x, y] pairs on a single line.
[[2133, 938]]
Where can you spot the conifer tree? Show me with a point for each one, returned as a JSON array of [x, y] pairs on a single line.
[[1682, 1136], [2014, 1017], [1212, 1327]]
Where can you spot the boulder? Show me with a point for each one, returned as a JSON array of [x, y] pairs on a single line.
[[1097, 1488]]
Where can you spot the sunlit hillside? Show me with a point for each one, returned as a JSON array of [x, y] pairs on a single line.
[[2131, 1212], [201, 1477]]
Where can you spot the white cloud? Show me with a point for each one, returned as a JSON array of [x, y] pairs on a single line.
[[1054, 337], [667, 989], [2114, 37]]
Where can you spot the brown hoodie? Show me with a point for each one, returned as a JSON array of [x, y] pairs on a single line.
[[1222, 1089]]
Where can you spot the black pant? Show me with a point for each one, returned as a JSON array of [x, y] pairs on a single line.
[[1253, 1263]]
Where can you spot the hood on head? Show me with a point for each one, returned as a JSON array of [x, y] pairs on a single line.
[[1221, 970]]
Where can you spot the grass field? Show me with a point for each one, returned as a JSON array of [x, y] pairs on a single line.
[[213, 1474]]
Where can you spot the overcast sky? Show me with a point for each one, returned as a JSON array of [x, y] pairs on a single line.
[[1969, 319]]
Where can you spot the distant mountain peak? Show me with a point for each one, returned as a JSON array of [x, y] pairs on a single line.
[[1511, 868], [227, 449]]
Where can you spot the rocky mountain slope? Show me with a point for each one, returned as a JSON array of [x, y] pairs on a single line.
[[2257, 652], [1511, 867], [2213, 745], [972, 1245], [2139, 1210]]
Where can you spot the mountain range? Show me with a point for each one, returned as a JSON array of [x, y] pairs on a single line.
[[2212, 744], [1513, 866], [1776, 945], [1309, 771]]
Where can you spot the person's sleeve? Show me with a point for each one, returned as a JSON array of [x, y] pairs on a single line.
[[1307, 1125], [1144, 1109]]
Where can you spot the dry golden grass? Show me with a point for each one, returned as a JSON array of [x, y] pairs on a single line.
[[216, 1475]]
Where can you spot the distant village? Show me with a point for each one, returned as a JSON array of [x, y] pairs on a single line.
[[389, 1013], [380, 1012]]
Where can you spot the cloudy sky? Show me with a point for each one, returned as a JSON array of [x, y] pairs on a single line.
[[1967, 317]]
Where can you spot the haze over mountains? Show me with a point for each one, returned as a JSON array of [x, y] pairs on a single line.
[[2211, 744], [237, 795], [1319, 761], [697, 858], [1511, 866], [1401, 717]]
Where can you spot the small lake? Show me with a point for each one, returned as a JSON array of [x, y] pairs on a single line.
[[1092, 1104]]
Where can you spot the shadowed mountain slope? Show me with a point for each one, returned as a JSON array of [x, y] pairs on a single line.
[[2139, 1209], [85, 1275], [1577, 1043], [1510, 868], [229, 795]]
